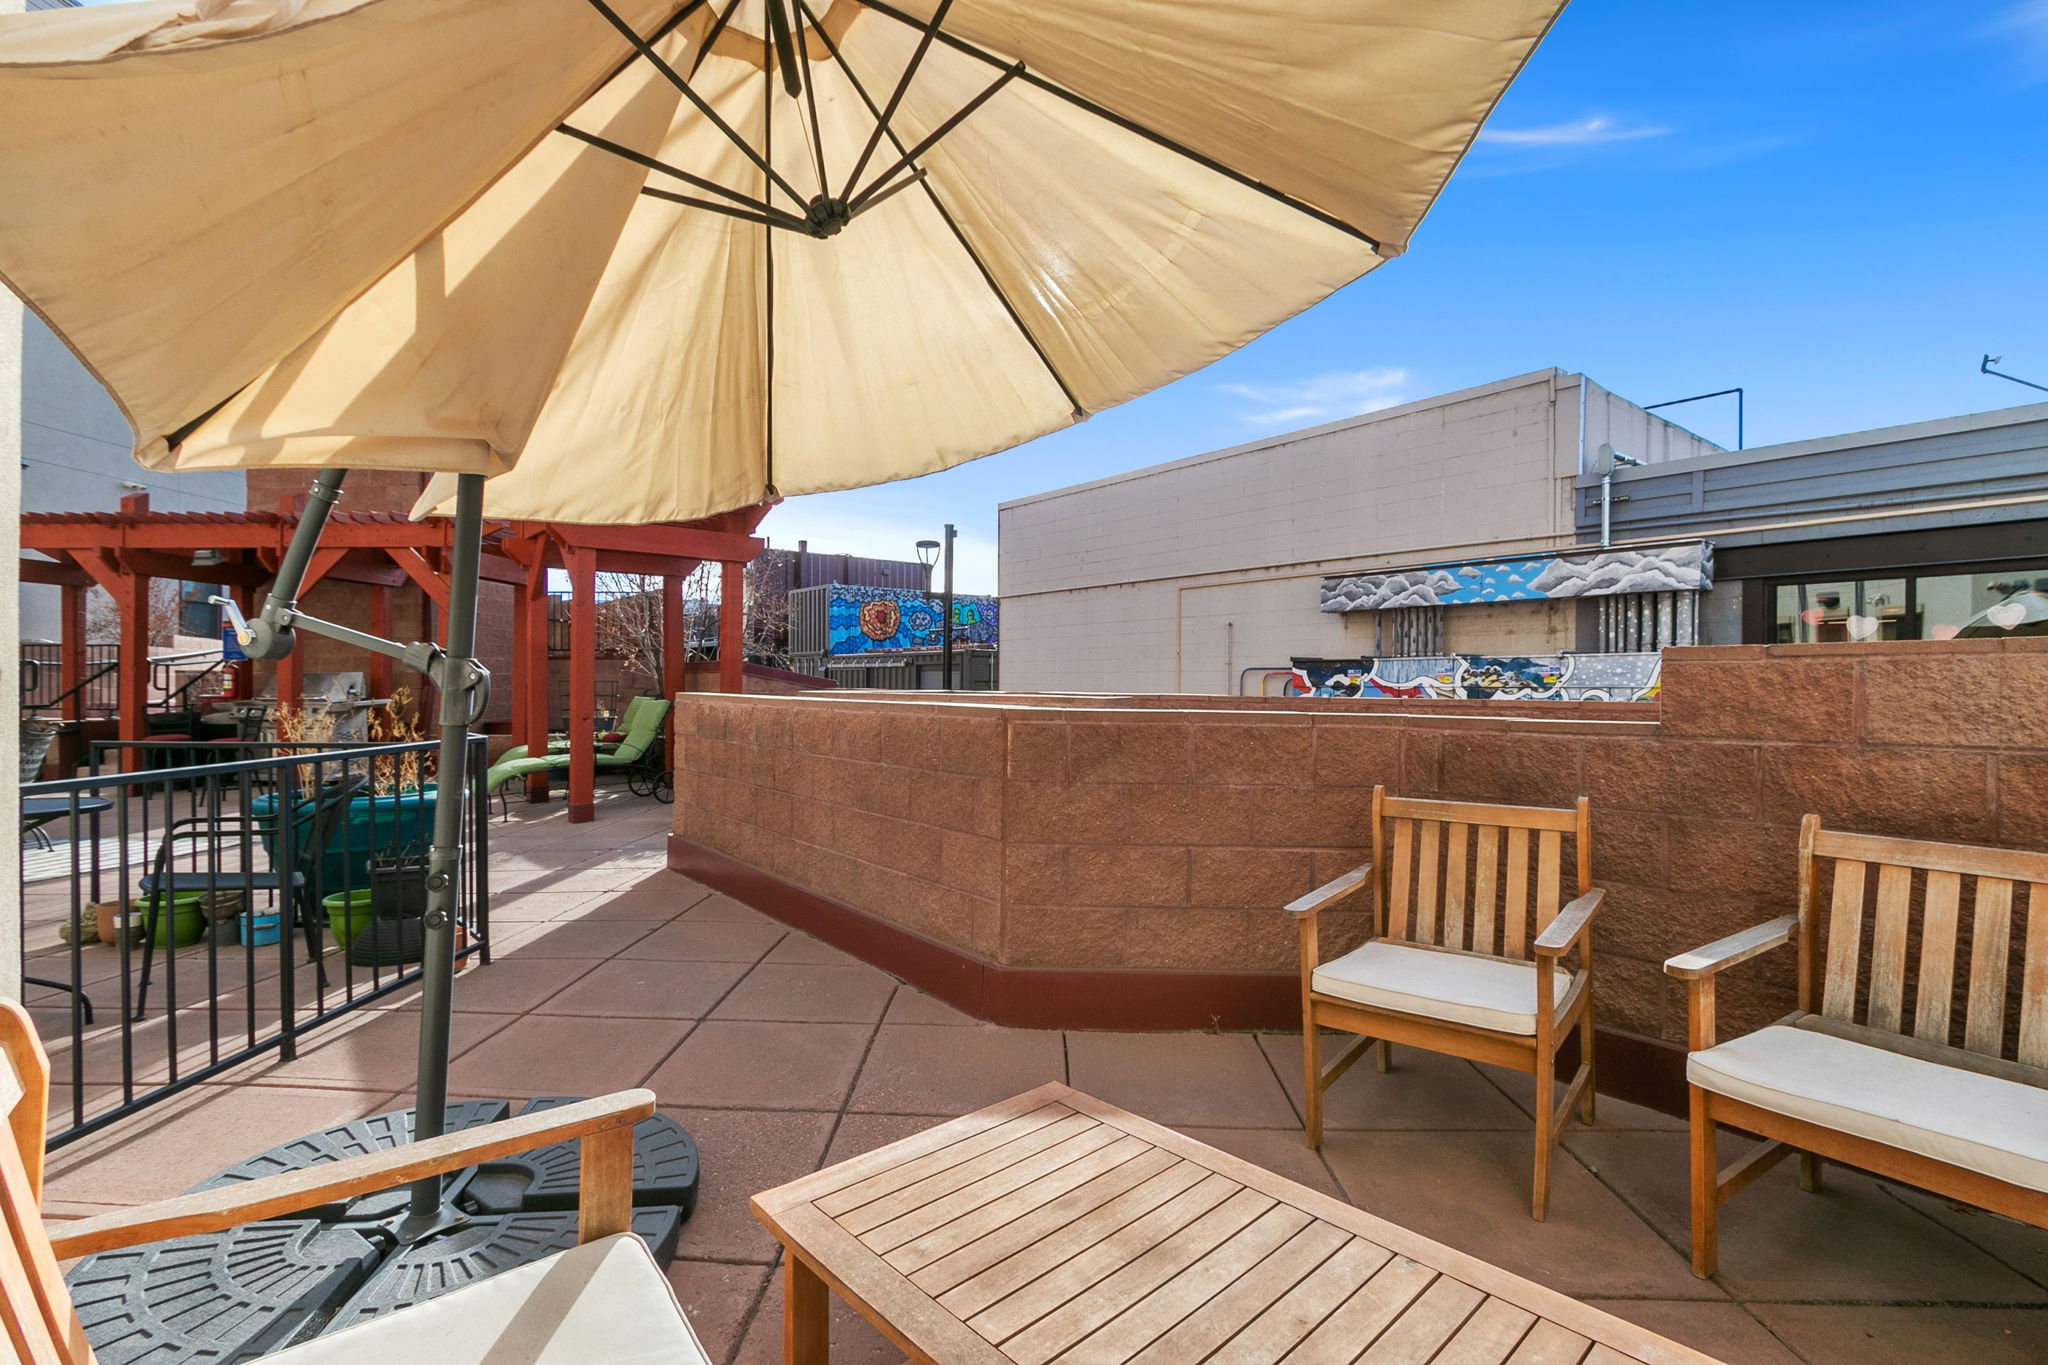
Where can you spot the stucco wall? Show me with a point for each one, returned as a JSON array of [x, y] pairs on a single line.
[[1162, 834], [1177, 577]]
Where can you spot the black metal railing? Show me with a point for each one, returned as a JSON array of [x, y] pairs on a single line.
[[184, 920], [42, 674]]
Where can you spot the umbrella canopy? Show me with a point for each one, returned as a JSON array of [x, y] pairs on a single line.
[[648, 260]]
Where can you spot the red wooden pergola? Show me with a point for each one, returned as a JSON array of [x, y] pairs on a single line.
[[123, 551]]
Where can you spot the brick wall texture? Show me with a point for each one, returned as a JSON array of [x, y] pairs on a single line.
[[1163, 833]]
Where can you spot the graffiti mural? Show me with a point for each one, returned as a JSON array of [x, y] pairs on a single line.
[[890, 620], [1484, 677], [1669, 568]]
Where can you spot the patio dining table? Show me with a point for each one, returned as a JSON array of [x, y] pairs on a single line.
[[1054, 1226]]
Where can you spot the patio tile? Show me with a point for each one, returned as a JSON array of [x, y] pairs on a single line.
[[1828, 1334], [2019, 1245], [854, 1341], [862, 1133], [648, 988], [1425, 1090], [744, 1151], [1852, 1242], [513, 985], [171, 1146], [717, 1297], [707, 941], [1219, 1080], [738, 1064], [1471, 1190], [725, 908], [934, 1069], [528, 907], [852, 994], [562, 939], [1609, 1114], [913, 1006], [632, 905], [801, 947], [1725, 1331], [374, 1050], [1279, 1150], [553, 1054]]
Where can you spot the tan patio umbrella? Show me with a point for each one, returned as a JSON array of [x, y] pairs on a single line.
[[652, 259]]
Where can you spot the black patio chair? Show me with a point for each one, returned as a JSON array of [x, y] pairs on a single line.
[[320, 814]]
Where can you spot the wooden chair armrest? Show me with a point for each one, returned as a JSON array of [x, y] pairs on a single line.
[[1570, 926], [277, 1195], [1726, 952], [1330, 892]]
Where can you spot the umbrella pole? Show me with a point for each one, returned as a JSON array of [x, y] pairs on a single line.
[[444, 863]]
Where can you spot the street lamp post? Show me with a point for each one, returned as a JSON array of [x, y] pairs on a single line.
[[927, 552], [946, 618]]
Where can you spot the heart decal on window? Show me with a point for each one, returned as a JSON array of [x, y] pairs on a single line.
[[1862, 627], [2007, 615]]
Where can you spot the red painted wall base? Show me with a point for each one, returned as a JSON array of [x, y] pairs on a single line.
[[1641, 1070]]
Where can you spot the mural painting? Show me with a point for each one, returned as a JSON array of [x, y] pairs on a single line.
[[1666, 568], [889, 620], [1484, 677]]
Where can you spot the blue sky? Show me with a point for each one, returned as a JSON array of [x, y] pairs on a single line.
[[1840, 207]]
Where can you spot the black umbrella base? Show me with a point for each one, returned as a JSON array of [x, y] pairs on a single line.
[[236, 1295]]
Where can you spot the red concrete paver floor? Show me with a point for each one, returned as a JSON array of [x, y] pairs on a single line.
[[780, 1053]]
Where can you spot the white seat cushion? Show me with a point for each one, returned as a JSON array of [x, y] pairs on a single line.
[[1484, 992], [1996, 1127], [603, 1303]]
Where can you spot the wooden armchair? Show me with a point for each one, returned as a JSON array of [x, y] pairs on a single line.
[[603, 1300], [1871, 1069], [1454, 962]]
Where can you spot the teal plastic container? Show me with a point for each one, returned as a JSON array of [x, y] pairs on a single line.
[[373, 824]]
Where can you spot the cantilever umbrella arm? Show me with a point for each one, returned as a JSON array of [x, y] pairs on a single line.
[[464, 686]]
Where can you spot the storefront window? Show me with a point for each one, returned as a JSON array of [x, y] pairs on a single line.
[[1927, 607]]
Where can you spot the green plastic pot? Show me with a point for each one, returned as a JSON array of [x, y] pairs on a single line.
[[348, 913], [187, 917]]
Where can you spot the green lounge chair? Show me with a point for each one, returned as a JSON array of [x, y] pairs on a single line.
[[631, 753]]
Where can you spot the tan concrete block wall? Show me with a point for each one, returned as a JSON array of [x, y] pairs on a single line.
[[1164, 833]]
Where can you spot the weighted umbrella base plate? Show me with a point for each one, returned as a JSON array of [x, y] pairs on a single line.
[[269, 1285]]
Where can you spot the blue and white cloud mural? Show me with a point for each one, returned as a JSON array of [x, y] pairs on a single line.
[[1484, 677], [1539, 578]]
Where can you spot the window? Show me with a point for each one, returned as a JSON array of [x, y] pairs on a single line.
[[1922, 607]]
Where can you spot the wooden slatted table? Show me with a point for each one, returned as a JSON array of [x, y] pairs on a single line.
[[1055, 1227]]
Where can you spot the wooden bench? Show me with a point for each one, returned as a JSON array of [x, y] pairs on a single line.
[[1466, 952], [604, 1299], [1876, 1069]]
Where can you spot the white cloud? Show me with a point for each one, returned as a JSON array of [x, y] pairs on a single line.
[[1585, 132], [1322, 398], [2025, 27]]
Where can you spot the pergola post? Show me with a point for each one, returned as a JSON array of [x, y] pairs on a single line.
[[380, 624], [532, 689], [732, 630], [582, 684], [674, 650], [71, 673], [133, 674]]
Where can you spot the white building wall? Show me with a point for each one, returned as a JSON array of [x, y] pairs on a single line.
[[75, 457], [1179, 577]]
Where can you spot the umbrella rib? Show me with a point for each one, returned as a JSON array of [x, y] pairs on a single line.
[[1087, 105], [959, 235], [924, 44], [788, 220], [811, 100], [717, 27], [781, 220], [645, 49], [910, 157]]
